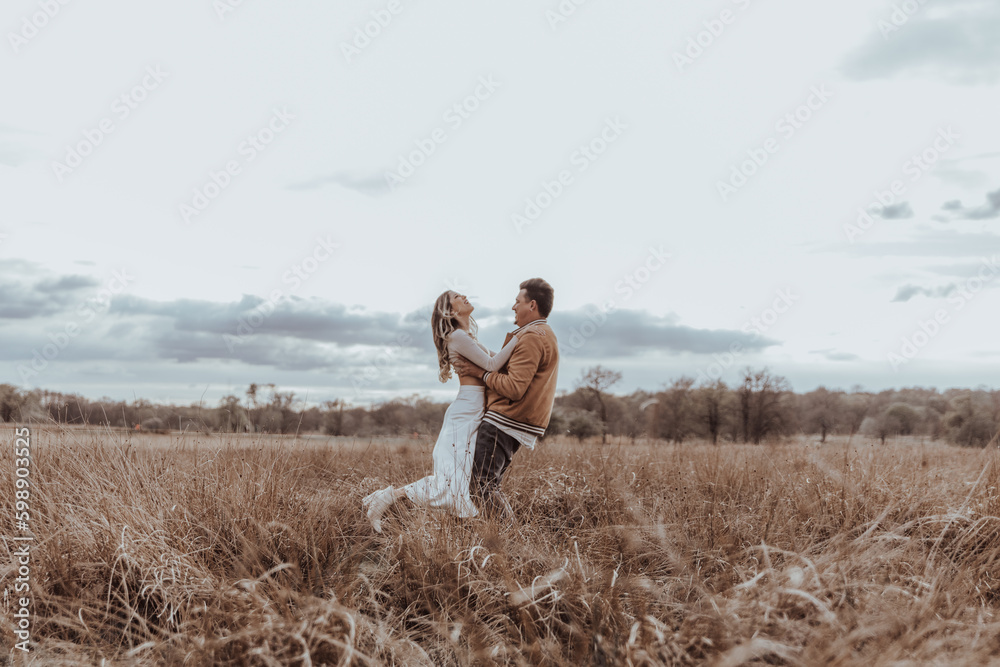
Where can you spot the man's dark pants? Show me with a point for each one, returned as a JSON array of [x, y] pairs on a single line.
[[494, 450]]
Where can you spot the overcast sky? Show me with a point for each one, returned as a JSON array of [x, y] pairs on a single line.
[[196, 196]]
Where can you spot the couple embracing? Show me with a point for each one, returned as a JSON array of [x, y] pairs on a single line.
[[504, 403]]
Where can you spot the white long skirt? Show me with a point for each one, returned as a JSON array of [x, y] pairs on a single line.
[[447, 488]]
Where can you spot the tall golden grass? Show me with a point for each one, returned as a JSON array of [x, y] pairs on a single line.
[[244, 550]]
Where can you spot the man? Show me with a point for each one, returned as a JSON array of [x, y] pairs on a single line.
[[519, 396]]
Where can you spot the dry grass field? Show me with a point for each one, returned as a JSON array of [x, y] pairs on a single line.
[[249, 550]]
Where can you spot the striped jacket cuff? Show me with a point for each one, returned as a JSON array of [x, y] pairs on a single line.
[[498, 419]]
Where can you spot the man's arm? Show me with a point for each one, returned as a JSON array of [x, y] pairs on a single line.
[[521, 369], [465, 367]]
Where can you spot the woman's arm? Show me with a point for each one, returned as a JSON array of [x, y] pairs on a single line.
[[463, 344]]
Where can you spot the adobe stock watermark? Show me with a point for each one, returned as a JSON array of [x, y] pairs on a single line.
[[293, 278], [712, 31], [454, 117], [562, 13], [224, 7], [915, 167], [756, 327], [927, 330], [900, 16], [121, 108], [86, 312], [785, 128], [371, 30], [249, 149], [628, 286], [33, 24], [582, 158]]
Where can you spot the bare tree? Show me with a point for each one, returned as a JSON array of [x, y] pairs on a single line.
[[762, 406], [287, 418], [598, 380], [745, 392], [674, 410], [823, 411], [232, 416], [252, 407], [334, 423], [711, 397], [634, 418], [856, 407], [9, 402]]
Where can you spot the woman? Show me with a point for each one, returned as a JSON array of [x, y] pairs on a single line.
[[447, 488]]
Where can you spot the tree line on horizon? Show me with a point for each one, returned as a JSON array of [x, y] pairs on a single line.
[[761, 407]]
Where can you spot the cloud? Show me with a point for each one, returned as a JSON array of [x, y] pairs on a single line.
[[586, 332], [898, 211], [987, 211], [30, 291], [907, 292], [935, 243], [369, 185], [958, 45], [833, 355], [313, 333], [957, 171], [14, 155], [65, 284], [282, 353], [13, 151], [963, 270], [307, 334], [290, 317]]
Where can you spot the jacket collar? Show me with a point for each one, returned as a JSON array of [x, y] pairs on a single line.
[[540, 320]]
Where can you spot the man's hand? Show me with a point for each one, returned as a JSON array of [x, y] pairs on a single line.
[[465, 367]]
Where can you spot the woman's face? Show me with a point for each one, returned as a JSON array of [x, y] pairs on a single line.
[[460, 304]]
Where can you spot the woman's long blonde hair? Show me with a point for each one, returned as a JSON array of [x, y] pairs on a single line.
[[443, 324]]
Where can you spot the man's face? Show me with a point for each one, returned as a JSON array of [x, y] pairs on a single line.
[[525, 310]]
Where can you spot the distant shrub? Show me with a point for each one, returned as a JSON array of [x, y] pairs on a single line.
[[154, 425], [974, 431], [584, 425], [901, 419], [973, 419]]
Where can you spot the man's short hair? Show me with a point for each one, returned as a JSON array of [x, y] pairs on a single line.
[[540, 292]]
